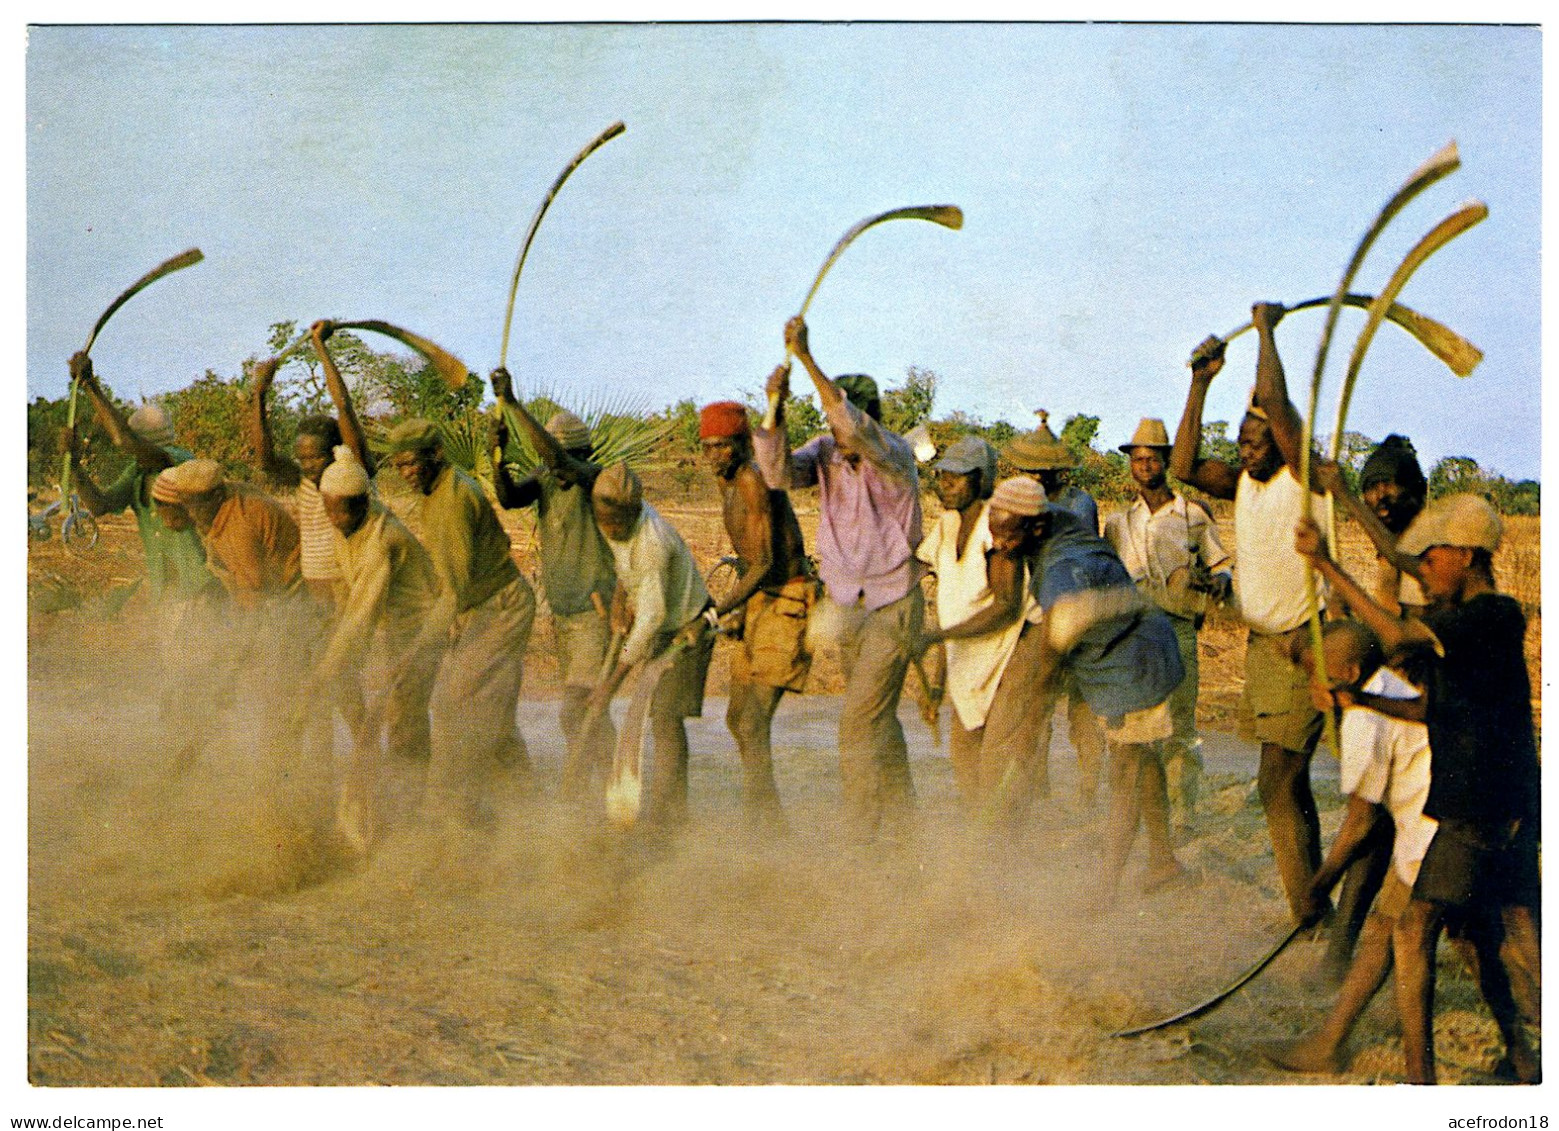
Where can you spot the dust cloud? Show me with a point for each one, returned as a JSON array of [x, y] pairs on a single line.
[[195, 917]]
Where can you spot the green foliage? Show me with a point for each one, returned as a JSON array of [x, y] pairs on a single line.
[[1455, 474], [803, 420], [620, 429], [910, 403], [1078, 432], [45, 419], [1216, 443], [208, 419]]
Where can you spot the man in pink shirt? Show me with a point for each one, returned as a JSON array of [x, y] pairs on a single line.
[[868, 527]]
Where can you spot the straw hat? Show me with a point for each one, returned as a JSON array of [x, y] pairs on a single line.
[[1039, 450], [1150, 433]]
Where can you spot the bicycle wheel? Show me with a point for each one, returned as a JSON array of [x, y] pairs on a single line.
[[79, 532]]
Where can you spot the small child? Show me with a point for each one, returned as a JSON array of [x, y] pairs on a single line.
[[1482, 864], [1385, 770]]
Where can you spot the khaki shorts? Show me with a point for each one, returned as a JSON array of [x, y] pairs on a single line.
[[774, 649], [1140, 728], [681, 690], [1275, 706], [581, 647]]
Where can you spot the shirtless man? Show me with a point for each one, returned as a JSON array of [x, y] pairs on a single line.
[[767, 609], [318, 437], [1269, 578]]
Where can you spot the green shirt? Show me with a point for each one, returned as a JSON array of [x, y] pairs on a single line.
[[575, 561], [468, 545], [175, 559]]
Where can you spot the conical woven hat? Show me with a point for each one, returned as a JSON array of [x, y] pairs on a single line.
[[1039, 450]]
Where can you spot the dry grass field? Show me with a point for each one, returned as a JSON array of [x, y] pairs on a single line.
[[176, 938]]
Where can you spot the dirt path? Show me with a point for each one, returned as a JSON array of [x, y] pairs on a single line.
[[170, 941]]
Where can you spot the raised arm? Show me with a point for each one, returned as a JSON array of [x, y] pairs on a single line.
[[257, 426], [352, 434], [1288, 427], [1396, 635], [114, 422], [1186, 464], [854, 430], [782, 469], [546, 445], [1329, 477]]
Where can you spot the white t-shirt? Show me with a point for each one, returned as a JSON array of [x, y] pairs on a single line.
[[1269, 574], [1385, 761], [975, 665]]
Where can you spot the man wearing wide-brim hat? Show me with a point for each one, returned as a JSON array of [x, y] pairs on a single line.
[[1170, 546], [1046, 459]]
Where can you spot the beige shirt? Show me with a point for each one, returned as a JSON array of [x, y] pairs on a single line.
[[387, 582], [1153, 545], [975, 665], [657, 571], [1269, 574]]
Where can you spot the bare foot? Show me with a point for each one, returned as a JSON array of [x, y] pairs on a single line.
[[1301, 1056], [1162, 877]]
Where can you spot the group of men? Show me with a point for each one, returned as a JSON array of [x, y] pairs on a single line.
[[420, 638]]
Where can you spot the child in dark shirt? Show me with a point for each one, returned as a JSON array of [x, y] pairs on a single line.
[[1481, 868]]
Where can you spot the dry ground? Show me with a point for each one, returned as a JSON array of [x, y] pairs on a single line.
[[176, 936]]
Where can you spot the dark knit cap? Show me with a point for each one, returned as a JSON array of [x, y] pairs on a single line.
[[1394, 461]]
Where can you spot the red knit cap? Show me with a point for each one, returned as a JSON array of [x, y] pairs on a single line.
[[723, 419]]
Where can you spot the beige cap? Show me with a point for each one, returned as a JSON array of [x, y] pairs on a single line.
[[1455, 520], [619, 486], [152, 423], [414, 435], [568, 430], [1150, 433], [187, 480], [1039, 450], [345, 476], [1019, 495], [970, 453]]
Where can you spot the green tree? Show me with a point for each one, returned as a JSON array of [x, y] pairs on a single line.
[[1454, 475], [1217, 445], [910, 403]]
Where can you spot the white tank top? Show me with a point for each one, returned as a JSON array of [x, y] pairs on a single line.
[[1269, 574]]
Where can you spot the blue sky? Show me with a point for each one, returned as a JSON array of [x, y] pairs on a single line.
[[1128, 189]]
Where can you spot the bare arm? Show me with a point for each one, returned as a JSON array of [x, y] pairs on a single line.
[[1213, 476], [1004, 574], [114, 422], [1396, 635], [545, 444], [1329, 477], [257, 427], [754, 537], [1288, 427], [352, 434]]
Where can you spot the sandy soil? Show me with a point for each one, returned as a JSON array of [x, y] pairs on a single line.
[[178, 936]]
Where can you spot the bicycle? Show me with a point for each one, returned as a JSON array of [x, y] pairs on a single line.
[[79, 530]]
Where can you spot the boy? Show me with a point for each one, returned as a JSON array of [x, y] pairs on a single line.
[[1481, 867]]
